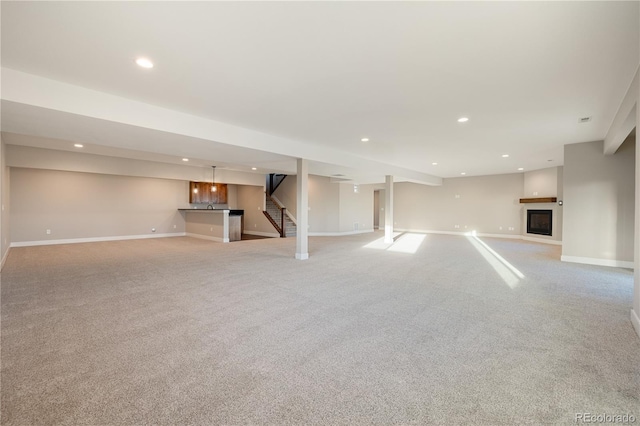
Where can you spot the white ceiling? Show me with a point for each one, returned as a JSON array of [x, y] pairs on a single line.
[[323, 75]]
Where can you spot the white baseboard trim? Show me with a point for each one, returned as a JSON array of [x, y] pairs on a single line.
[[207, 237], [4, 258], [541, 240], [339, 234], [635, 320], [507, 236], [599, 262], [263, 234], [93, 239]]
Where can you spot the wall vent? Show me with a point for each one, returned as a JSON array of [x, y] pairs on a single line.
[[584, 119]]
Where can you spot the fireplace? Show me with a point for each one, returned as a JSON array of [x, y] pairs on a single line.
[[539, 222]]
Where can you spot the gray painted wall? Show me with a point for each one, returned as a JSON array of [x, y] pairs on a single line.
[[560, 212], [356, 208], [541, 183], [599, 202], [286, 193], [324, 205], [89, 205], [381, 193], [251, 199], [5, 235], [376, 209], [486, 204]]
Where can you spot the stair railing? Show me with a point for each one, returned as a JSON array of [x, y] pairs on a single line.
[[283, 232], [283, 212], [274, 181]]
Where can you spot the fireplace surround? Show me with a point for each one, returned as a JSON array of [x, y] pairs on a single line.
[[539, 222]]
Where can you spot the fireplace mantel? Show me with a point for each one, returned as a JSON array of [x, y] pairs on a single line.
[[539, 200]]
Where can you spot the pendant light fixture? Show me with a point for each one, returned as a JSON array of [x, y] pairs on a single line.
[[214, 188]]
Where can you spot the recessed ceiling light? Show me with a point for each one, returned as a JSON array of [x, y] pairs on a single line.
[[463, 173], [463, 119], [144, 63], [185, 159], [505, 155], [364, 139], [434, 164], [78, 145], [520, 169], [254, 168]]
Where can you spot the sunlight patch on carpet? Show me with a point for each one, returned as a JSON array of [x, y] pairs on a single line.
[[402, 243], [509, 273]]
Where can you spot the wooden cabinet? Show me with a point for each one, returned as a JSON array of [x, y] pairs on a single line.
[[220, 195], [201, 193], [196, 193]]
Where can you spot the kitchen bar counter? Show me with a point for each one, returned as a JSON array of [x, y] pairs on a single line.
[[221, 225], [205, 210]]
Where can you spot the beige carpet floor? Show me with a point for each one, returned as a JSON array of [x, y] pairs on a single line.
[[181, 331]]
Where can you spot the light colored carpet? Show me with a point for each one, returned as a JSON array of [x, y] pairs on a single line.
[[184, 331]]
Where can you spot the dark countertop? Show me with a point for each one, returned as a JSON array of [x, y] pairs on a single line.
[[205, 210]]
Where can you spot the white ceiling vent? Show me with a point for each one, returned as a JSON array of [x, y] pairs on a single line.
[[584, 119]]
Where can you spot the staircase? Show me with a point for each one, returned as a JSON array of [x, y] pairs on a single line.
[[276, 213], [279, 218]]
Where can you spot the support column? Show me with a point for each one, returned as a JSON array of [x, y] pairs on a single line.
[[302, 192], [388, 209], [635, 311]]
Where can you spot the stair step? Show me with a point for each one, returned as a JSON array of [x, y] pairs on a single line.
[[275, 213]]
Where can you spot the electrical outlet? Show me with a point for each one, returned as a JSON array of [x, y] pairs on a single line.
[[457, 195], [501, 228], [535, 192], [212, 229], [48, 231], [174, 226], [456, 226]]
